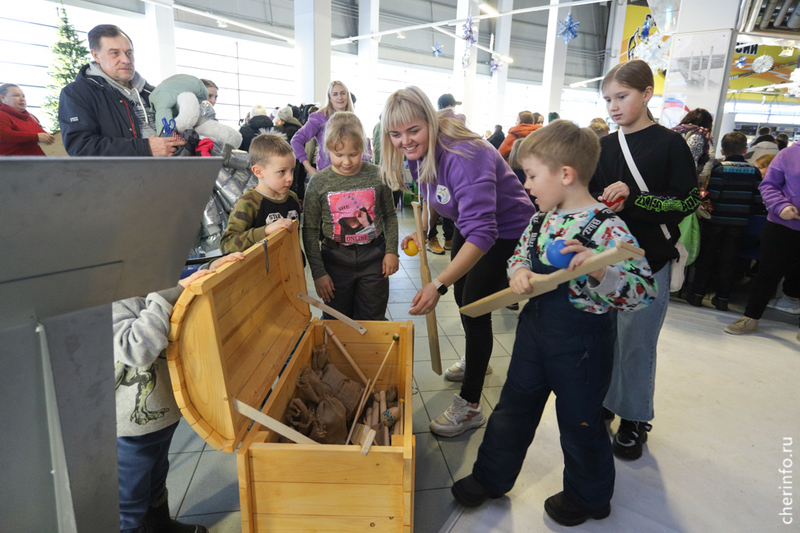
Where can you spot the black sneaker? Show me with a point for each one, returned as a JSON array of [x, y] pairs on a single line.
[[695, 299], [608, 414], [566, 513], [629, 439], [720, 303], [470, 493]]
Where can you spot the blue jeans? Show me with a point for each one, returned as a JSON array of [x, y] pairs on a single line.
[[633, 381], [568, 352], [143, 468]]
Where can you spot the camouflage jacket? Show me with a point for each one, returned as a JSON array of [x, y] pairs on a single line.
[[252, 213]]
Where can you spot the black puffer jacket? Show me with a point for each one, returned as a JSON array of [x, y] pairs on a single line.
[[252, 129], [96, 120]]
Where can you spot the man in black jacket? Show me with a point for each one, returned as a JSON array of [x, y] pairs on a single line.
[[106, 110], [497, 137]]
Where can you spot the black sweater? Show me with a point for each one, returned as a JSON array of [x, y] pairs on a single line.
[[667, 167]]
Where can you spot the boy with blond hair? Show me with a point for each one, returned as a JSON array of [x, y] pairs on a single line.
[[565, 338], [270, 205]]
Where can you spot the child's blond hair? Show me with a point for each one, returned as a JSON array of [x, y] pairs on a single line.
[[268, 145], [344, 125], [563, 144], [765, 160]]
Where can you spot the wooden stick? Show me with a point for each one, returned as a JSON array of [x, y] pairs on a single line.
[[376, 418], [425, 274], [265, 420], [549, 282], [333, 312], [398, 426], [395, 338], [384, 430], [346, 354], [368, 443], [357, 413]]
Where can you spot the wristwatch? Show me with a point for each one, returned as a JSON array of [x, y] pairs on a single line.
[[440, 287]]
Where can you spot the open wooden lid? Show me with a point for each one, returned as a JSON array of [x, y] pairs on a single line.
[[232, 333]]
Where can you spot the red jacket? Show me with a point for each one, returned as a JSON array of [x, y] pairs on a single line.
[[19, 132], [520, 131]]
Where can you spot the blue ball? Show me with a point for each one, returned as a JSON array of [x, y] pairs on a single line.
[[555, 257]]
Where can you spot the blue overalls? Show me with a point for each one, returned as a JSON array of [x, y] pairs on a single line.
[[570, 352]]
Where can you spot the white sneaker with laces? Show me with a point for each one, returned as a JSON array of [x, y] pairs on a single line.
[[456, 371], [785, 304], [458, 418]]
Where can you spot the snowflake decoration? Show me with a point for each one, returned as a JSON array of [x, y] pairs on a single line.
[[794, 90], [567, 29], [465, 61], [654, 51], [497, 65], [741, 62], [469, 33], [762, 64], [437, 50], [795, 76]]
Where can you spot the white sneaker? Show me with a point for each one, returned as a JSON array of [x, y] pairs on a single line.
[[456, 371], [458, 418], [785, 304]]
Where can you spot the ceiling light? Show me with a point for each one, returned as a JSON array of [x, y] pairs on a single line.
[[506, 59], [489, 10], [401, 35], [222, 24]]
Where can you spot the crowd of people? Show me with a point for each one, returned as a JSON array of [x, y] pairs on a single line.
[[505, 199]]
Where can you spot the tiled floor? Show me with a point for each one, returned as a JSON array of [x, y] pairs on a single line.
[[724, 406]]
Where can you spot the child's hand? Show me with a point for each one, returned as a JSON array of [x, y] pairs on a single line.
[[520, 282], [614, 192], [582, 253], [281, 223], [230, 258], [325, 288], [390, 265], [185, 282], [413, 237], [789, 213]]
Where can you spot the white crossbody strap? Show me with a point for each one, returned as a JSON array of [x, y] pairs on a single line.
[[623, 143]]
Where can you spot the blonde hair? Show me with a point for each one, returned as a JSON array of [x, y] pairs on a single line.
[[344, 125], [765, 160], [635, 74], [599, 127], [407, 105], [563, 144], [268, 145], [328, 110], [513, 157]]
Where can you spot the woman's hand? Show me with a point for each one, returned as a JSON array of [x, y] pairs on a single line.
[[789, 213], [413, 237], [425, 301], [582, 253], [390, 264], [46, 138], [613, 192], [325, 288], [309, 168]]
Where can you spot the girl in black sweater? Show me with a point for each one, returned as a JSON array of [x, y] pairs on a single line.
[[670, 175]]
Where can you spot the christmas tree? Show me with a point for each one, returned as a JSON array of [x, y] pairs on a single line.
[[69, 55]]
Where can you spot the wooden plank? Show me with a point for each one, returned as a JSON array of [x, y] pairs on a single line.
[[190, 414], [388, 377], [243, 336], [379, 331], [249, 273], [425, 274], [176, 319], [269, 422], [327, 499], [328, 464], [202, 368], [243, 465], [345, 354], [549, 282], [249, 310], [268, 523], [344, 319]]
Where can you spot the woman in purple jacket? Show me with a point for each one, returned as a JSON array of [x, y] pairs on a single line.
[[338, 100], [463, 178], [780, 239]]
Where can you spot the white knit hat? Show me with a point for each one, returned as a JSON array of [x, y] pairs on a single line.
[[258, 110], [285, 113]]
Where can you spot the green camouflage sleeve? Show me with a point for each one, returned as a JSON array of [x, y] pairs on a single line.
[[240, 234]]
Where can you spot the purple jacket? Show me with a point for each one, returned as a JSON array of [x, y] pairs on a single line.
[[315, 127], [478, 191], [781, 186]]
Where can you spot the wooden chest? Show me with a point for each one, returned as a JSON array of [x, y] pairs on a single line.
[[243, 334]]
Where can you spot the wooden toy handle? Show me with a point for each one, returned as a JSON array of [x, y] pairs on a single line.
[[425, 274]]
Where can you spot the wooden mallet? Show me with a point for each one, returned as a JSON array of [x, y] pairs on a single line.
[[346, 354]]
